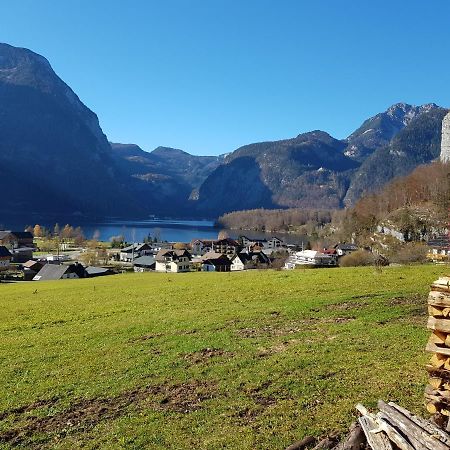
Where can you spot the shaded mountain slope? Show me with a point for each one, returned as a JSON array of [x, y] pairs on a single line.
[[292, 172], [52, 143]]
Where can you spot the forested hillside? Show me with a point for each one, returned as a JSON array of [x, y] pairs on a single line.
[[415, 205]]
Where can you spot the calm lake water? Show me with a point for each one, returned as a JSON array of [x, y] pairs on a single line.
[[171, 230]]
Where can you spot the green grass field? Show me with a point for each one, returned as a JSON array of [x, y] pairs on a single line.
[[252, 360]]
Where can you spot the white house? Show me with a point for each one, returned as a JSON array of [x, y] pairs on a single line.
[[249, 260], [131, 252], [345, 249], [310, 258], [220, 263], [173, 261]]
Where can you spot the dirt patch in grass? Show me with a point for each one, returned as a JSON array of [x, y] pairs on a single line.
[[187, 397], [206, 354], [27, 408], [146, 337], [413, 299], [291, 327], [277, 348], [87, 413], [346, 306]]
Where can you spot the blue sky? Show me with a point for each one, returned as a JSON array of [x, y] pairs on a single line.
[[209, 76]]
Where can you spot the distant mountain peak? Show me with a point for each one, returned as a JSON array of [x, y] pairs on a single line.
[[165, 151]]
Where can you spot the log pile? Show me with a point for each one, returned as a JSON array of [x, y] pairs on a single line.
[[394, 427], [437, 392], [391, 428]]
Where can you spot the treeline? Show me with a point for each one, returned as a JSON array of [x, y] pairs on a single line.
[[66, 232], [294, 219], [415, 204]]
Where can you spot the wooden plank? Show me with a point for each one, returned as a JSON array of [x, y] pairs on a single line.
[[436, 311], [442, 281], [437, 298], [438, 361], [431, 347], [440, 288], [437, 337], [432, 429], [439, 324], [410, 429], [377, 441], [395, 436]]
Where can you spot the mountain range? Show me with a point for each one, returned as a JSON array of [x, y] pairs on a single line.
[[55, 158]]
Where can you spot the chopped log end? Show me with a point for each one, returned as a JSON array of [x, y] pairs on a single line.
[[432, 408]]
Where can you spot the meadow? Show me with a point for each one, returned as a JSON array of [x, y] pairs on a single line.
[[251, 360]]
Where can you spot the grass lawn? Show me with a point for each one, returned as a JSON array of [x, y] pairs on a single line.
[[251, 360]]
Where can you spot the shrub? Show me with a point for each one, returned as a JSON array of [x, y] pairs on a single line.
[[358, 258], [412, 252]]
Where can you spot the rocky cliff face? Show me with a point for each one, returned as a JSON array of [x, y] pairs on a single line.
[[445, 144], [51, 144], [378, 131]]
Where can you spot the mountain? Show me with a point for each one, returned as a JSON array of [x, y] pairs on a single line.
[[53, 154], [377, 131], [54, 157], [314, 170], [306, 171], [178, 165], [417, 143]]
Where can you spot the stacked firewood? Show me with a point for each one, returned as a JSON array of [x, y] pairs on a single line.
[[394, 427], [437, 392]]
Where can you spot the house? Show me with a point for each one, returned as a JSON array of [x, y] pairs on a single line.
[[31, 268], [168, 260], [225, 246], [19, 243], [5, 256], [60, 272], [219, 263], [345, 249], [331, 252], [311, 258], [201, 246], [439, 248], [144, 264], [15, 239], [92, 271], [133, 251], [249, 260], [269, 245]]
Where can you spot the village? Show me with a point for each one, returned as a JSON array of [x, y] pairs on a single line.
[[22, 258]]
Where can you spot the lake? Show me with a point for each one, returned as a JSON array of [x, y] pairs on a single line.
[[171, 230]]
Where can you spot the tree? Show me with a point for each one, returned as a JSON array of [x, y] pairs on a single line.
[[56, 230], [37, 231], [223, 234]]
